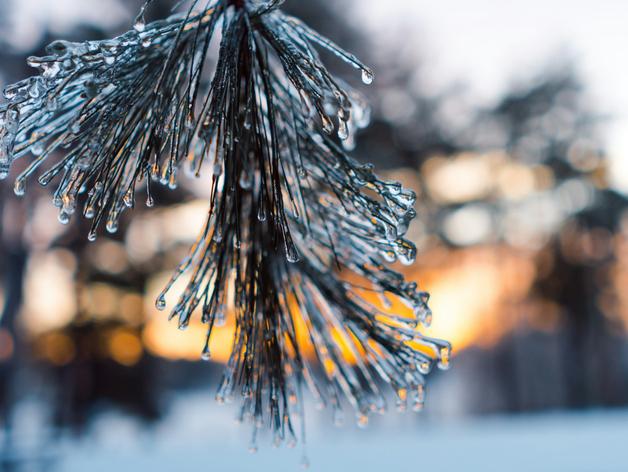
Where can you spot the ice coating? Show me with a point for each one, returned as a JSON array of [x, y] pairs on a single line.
[[288, 207]]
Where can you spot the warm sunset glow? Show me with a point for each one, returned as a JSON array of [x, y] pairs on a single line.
[[162, 338], [50, 300], [124, 346], [57, 348], [471, 291]]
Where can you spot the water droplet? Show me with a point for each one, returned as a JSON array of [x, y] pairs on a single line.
[[139, 24], [59, 48], [292, 254], [261, 214], [4, 171], [112, 225], [64, 218], [407, 253], [363, 421], [392, 187], [389, 256], [390, 232], [343, 130], [247, 119], [52, 103], [129, 198], [367, 76], [37, 88], [69, 203], [10, 92], [38, 148], [426, 322], [20, 186], [92, 236], [424, 367], [75, 127], [328, 126], [161, 302], [84, 161], [93, 144], [245, 179], [418, 405], [12, 121], [305, 462], [206, 354]]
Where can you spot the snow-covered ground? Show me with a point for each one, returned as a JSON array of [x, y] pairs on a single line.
[[198, 435]]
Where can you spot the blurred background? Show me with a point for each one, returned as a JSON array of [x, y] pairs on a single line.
[[509, 119]]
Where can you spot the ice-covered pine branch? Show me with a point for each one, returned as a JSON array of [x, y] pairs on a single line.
[[288, 207]]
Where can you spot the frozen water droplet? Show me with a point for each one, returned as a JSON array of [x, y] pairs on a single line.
[[75, 127], [59, 48], [292, 254], [407, 253], [367, 76], [328, 126], [389, 256], [424, 367], [129, 198], [12, 121], [149, 201], [245, 179], [52, 103], [37, 88], [343, 130], [38, 148], [139, 24], [84, 161], [426, 322], [69, 203], [146, 41], [363, 421], [92, 236], [20, 186], [302, 172], [390, 231], [349, 144], [261, 214], [445, 353], [161, 302], [10, 92], [392, 187], [64, 218], [217, 236], [112, 225]]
